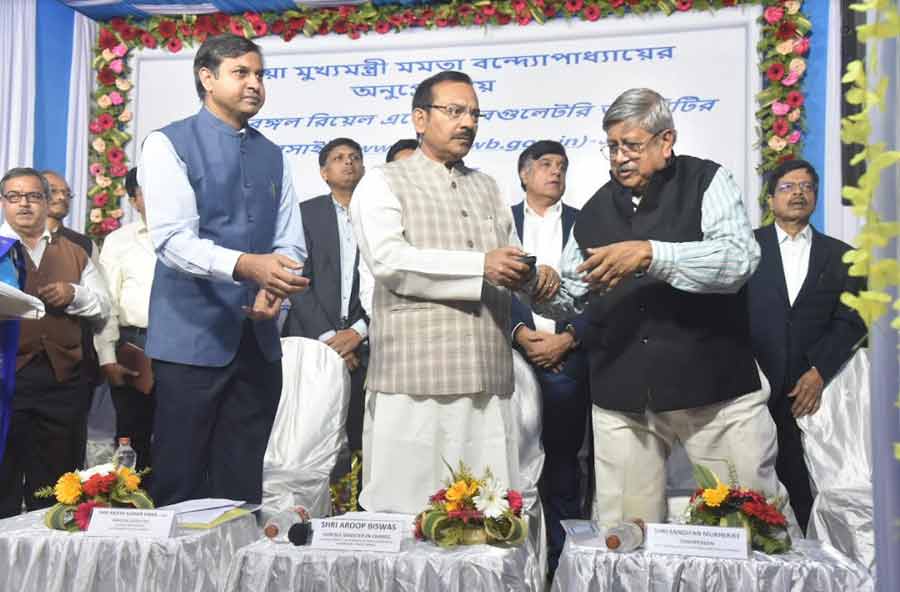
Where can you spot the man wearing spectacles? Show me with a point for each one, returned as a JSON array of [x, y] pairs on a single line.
[[663, 250], [52, 398], [802, 333], [442, 247]]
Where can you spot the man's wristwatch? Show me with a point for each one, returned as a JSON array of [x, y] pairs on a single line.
[[570, 329]]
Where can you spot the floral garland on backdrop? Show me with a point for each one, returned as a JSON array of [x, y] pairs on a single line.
[[783, 45]]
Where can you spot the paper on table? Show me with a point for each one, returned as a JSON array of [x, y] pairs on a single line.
[[16, 304], [202, 511]]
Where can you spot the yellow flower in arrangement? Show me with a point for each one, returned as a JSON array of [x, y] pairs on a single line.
[[68, 488], [715, 496], [131, 479], [461, 490], [452, 506]]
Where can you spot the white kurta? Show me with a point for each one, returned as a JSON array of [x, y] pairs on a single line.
[[407, 438]]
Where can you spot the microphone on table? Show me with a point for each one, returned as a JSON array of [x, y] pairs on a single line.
[[300, 533]]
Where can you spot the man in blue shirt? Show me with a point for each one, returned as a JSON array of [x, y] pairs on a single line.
[[226, 228]]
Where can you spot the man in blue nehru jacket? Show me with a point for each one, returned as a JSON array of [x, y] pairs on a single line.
[[226, 228]]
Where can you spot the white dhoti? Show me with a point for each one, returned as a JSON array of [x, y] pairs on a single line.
[[407, 438]]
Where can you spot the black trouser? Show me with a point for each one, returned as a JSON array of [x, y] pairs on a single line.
[[46, 435], [212, 426], [134, 409], [566, 405], [790, 464]]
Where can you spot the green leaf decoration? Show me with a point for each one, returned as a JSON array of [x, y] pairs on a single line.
[[704, 477]]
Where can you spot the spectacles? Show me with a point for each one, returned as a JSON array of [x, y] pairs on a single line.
[[628, 148], [31, 197], [62, 193], [456, 111], [790, 187]]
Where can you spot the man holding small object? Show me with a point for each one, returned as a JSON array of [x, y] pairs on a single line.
[[442, 247], [226, 227], [660, 255]]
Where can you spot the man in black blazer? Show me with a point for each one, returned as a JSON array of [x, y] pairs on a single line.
[[330, 310], [544, 225], [801, 332]]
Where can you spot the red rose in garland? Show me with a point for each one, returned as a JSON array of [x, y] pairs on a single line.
[[129, 33], [795, 99], [115, 155], [781, 127], [775, 72], [592, 13], [174, 45], [107, 39], [148, 40], [573, 6], [236, 27], [106, 121], [260, 28], [786, 31], [118, 23], [106, 76], [167, 29], [278, 27], [684, 5]]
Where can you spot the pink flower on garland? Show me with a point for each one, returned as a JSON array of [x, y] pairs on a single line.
[[382, 27], [174, 45], [83, 513], [118, 169], [592, 13], [794, 137], [775, 72], [684, 5], [773, 14], [515, 501], [616, 3], [524, 18], [120, 50], [791, 79], [115, 155], [109, 224], [236, 27], [488, 10], [781, 127], [801, 46], [260, 28], [795, 99], [96, 169], [95, 128], [573, 6], [115, 98], [101, 199], [779, 108]]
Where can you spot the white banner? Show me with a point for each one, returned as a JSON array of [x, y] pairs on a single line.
[[537, 82]]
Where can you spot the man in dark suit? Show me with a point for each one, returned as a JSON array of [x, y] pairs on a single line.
[[801, 332], [330, 310], [544, 224]]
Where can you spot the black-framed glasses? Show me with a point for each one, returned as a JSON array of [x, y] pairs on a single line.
[[31, 197], [790, 187], [628, 148], [456, 111]]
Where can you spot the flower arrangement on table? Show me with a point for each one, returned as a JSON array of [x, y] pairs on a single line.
[[717, 504], [79, 492], [472, 511]]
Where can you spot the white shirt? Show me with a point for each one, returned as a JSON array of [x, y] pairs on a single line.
[[91, 299], [542, 236], [348, 257], [794, 258], [174, 221], [127, 262]]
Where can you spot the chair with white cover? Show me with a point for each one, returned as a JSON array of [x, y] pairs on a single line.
[[526, 402], [838, 452], [308, 433]]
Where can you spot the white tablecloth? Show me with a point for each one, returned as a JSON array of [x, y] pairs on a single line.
[[419, 567], [810, 567], [35, 558]]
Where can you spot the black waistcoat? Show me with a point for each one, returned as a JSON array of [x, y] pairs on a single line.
[[650, 345]]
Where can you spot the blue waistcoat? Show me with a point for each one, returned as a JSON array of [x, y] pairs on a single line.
[[236, 177]]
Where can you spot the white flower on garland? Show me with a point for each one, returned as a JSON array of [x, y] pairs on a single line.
[[490, 500]]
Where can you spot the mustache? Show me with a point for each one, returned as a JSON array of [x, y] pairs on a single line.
[[798, 201], [625, 168], [465, 135]]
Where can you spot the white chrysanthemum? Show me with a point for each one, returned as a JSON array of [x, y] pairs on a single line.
[[490, 500]]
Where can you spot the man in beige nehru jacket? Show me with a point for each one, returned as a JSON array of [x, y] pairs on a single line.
[[440, 241]]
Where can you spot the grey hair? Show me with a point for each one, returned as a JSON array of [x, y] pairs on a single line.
[[645, 107], [25, 172]]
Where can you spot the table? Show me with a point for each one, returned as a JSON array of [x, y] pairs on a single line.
[[419, 566], [810, 567], [35, 558]]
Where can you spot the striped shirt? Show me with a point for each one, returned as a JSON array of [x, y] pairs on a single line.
[[720, 263]]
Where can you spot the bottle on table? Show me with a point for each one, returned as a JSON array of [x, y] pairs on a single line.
[[125, 456], [277, 526], [625, 536]]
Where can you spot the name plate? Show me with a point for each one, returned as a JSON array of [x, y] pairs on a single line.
[[698, 541], [358, 534], [131, 522]]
